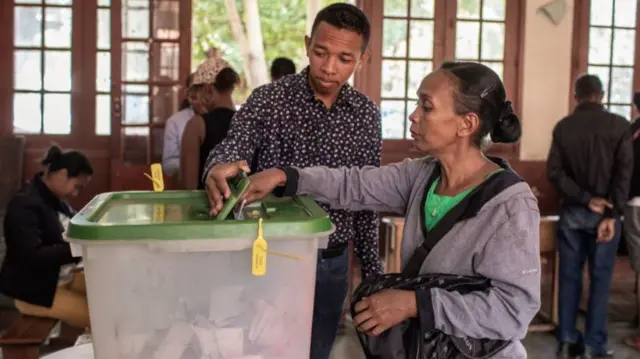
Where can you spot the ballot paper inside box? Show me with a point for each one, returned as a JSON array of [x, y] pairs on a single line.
[[183, 288]]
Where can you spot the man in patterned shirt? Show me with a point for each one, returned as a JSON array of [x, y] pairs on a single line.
[[314, 118]]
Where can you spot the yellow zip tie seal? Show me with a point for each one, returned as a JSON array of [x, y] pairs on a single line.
[[156, 177], [259, 254]]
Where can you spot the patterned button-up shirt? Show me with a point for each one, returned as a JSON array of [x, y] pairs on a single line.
[[283, 124]]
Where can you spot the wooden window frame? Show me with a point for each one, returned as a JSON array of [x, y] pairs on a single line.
[[369, 79], [580, 48]]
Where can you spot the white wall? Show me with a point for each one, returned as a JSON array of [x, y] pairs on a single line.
[[547, 82]]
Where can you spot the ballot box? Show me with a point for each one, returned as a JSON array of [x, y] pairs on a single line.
[[165, 280]]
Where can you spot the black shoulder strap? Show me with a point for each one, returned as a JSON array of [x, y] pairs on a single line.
[[467, 208]]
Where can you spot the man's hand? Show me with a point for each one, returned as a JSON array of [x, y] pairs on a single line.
[[599, 205], [383, 310], [216, 183], [263, 183], [606, 230]]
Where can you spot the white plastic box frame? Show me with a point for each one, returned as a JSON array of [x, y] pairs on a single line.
[[197, 299]]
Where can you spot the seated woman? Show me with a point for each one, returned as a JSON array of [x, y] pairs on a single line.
[[454, 224], [38, 270], [211, 91]]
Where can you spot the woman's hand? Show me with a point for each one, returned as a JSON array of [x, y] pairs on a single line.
[[383, 310], [263, 183]]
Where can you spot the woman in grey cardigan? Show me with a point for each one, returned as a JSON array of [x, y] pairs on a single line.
[[460, 105]]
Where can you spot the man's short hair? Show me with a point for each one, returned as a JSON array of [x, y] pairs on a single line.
[[588, 86], [636, 100], [347, 17], [281, 67]]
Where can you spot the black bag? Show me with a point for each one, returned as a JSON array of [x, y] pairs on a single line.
[[408, 340]]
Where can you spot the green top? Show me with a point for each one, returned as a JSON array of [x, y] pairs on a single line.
[[437, 206], [185, 215]]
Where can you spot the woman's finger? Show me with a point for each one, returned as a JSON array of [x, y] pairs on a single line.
[[362, 317], [377, 330], [361, 305], [368, 325]]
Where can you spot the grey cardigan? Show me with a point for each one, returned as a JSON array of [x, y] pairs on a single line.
[[500, 243]]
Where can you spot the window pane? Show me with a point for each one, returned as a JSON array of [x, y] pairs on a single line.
[[57, 29], [28, 26], [492, 41], [467, 40], [27, 113], [165, 102], [104, 29], [135, 61], [27, 73], [421, 40], [599, 45], [469, 9], [166, 22], [103, 115], [104, 2], [142, 89], [395, 8], [624, 111], [58, 2], [601, 12], [57, 71], [621, 85], [603, 73], [394, 43], [136, 109], [392, 119], [28, 1], [57, 114], [393, 78], [493, 10], [626, 13], [103, 72], [418, 70], [135, 144], [135, 23], [422, 8], [498, 67], [168, 66], [411, 106], [624, 47]]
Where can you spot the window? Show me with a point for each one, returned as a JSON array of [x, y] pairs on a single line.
[[612, 34], [419, 35], [103, 69], [150, 80], [605, 45], [407, 55], [480, 32], [42, 50]]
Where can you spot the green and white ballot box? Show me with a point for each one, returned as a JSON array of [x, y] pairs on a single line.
[[167, 281]]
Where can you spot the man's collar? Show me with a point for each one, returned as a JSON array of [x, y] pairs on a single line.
[[346, 95], [589, 106]]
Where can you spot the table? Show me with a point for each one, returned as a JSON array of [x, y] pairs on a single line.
[[84, 351]]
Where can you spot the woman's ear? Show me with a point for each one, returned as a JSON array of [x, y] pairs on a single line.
[[469, 124]]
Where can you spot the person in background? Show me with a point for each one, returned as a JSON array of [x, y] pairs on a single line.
[[315, 118], [173, 130], [38, 271], [632, 211], [282, 67], [213, 85], [590, 164]]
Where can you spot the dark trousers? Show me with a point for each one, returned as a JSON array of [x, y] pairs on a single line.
[[331, 291], [577, 233]]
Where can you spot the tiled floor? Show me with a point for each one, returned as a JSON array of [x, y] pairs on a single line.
[[539, 345]]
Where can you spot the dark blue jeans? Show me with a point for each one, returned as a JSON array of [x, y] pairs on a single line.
[[577, 233], [331, 291]]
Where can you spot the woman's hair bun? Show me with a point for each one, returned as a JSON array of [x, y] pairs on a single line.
[[508, 128], [53, 153]]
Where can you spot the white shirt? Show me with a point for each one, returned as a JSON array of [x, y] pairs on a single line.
[[172, 138]]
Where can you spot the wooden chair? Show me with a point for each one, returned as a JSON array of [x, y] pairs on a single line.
[[25, 336]]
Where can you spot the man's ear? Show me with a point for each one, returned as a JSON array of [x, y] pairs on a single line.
[[364, 59], [307, 44]]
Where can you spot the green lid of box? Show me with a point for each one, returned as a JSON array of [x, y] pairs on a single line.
[[185, 215]]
